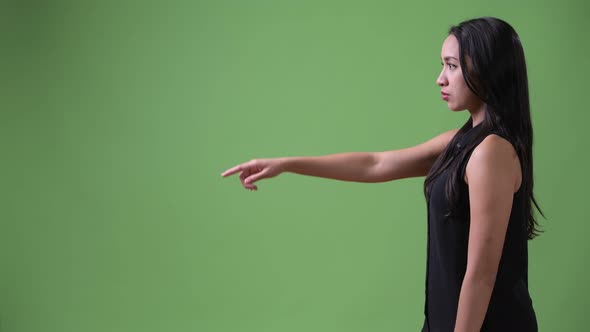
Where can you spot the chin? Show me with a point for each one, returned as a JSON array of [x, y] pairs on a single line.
[[454, 108]]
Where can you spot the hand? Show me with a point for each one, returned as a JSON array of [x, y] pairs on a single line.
[[256, 169]]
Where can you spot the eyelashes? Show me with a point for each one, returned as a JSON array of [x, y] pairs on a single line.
[[451, 66]]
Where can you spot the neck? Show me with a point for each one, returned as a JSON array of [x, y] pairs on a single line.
[[477, 114]]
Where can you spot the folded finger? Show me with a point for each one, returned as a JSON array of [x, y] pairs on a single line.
[[243, 177]]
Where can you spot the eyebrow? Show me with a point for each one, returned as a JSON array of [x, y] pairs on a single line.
[[450, 57]]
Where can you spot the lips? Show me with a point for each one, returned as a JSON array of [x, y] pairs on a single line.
[[445, 96]]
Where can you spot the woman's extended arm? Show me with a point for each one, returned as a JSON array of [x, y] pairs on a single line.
[[349, 166]]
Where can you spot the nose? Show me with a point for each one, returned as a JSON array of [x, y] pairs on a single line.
[[442, 79]]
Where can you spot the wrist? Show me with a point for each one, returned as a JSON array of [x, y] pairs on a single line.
[[285, 164]]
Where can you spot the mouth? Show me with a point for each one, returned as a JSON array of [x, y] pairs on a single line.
[[445, 96]]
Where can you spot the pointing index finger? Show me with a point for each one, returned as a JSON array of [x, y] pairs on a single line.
[[232, 170]]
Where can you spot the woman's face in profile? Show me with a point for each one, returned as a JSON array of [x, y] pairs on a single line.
[[454, 89]]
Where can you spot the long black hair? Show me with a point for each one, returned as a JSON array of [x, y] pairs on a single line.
[[497, 75]]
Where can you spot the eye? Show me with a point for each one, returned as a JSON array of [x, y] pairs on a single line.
[[450, 65]]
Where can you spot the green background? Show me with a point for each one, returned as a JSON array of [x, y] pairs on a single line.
[[118, 117]]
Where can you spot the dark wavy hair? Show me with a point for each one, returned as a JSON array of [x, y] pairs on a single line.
[[497, 75]]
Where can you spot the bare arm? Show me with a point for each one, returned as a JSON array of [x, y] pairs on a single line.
[[350, 166], [493, 174], [410, 162], [373, 166]]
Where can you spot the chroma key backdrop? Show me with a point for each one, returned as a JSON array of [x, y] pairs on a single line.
[[118, 117]]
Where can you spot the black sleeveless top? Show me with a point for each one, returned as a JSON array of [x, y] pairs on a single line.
[[510, 307]]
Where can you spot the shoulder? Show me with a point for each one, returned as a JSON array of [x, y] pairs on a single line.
[[448, 135], [438, 143], [435, 145], [494, 158], [493, 148]]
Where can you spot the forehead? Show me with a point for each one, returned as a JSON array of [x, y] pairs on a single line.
[[450, 47]]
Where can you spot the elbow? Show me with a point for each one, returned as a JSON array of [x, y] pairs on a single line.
[[374, 171]]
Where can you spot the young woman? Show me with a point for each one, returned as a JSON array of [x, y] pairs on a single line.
[[478, 186]]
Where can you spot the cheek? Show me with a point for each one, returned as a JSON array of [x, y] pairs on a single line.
[[462, 87], [459, 80]]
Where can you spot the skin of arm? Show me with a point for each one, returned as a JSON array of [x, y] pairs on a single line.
[[493, 175], [372, 166]]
